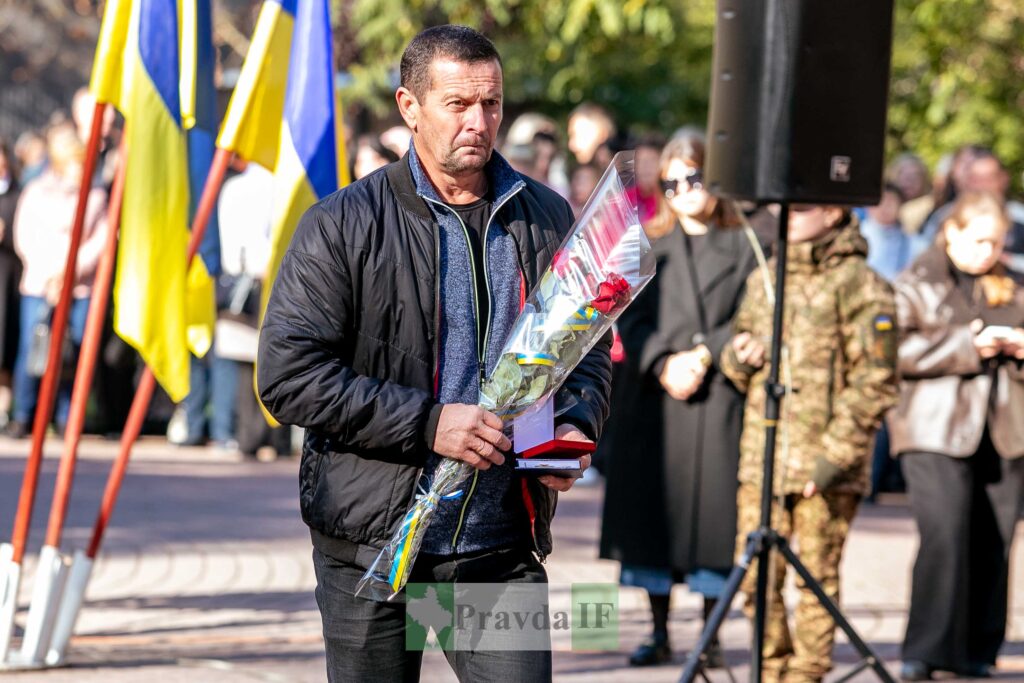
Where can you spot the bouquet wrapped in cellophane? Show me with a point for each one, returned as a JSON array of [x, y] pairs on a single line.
[[598, 270]]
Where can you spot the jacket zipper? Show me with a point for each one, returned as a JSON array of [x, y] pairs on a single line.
[[481, 351]]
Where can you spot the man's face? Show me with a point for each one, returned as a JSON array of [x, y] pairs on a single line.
[[456, 120], [911, 179], [986, 175]]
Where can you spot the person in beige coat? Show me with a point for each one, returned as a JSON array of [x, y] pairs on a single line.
[[958, 431]]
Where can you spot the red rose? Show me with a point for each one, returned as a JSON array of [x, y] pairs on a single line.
[[612, 295]]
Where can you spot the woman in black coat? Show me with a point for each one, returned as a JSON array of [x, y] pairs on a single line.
[[670, 502]]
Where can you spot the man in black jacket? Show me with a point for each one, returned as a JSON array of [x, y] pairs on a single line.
[[391, 304]]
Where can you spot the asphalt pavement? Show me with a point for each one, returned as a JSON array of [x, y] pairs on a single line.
[[205, 575]]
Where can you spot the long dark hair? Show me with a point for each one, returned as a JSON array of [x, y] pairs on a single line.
[[687, 144]]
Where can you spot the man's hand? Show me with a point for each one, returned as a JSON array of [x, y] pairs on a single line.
[[569, 433], [470, 434], [684, 373], [810, 488], [749, 350]]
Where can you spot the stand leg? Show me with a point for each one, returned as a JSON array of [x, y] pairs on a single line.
[[70, 606], [696, 659], [51, 573], [10, 581], [865, 650]]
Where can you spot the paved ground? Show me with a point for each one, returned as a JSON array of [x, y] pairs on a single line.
[[205, 576]]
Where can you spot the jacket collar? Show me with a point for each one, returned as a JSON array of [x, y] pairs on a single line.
[[412, 184]]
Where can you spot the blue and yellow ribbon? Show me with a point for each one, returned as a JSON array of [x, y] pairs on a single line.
[[412, 520], [535, 359], [582, 320]]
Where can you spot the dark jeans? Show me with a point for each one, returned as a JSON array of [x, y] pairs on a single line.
[[365, 639], [215, 380], [966, 510], [26, 388], [885, 470], [252, 430]]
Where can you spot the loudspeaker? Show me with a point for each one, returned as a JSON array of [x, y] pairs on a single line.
[[798, 100]]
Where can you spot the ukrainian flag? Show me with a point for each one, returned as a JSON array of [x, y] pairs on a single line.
[[283, 114], [199, 117], [150, 285]]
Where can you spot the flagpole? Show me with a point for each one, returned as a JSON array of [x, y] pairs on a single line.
[[11, 555], [87, 357], [144, 393], [48, 387], [45, 610]]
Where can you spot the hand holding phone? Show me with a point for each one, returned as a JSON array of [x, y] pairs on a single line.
[[994, 334]]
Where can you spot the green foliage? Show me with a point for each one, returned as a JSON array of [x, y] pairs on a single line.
[[957, 78], [958, 67], [647, 60]]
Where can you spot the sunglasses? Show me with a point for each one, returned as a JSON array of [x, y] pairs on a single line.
[[694, 180]]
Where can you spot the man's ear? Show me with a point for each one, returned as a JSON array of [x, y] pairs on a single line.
[[408, 107]]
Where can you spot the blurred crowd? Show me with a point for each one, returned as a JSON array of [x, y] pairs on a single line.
[[902, 364], [40, 175]]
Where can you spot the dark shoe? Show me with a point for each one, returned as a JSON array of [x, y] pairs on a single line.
[[651, 653], [913, 670], [975, 670], [17, 429]]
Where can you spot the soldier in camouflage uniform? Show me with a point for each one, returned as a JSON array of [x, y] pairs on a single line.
[[839, 357]]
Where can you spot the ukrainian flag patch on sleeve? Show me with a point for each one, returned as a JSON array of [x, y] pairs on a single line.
[[883, 347]]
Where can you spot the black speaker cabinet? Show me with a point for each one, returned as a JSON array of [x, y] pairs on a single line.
[[798, 100]]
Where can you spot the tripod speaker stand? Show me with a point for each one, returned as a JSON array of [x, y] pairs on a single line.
[[798, 103], [761, 542]]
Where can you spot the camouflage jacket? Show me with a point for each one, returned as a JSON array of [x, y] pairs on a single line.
[[840, 338]]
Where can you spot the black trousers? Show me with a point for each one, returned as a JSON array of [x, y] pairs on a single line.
[[966, 510], [366, 640]]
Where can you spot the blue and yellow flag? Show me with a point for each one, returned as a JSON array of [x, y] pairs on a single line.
[[283, 114], [108, 66], [252, 124], [137, 70], [199, 118]]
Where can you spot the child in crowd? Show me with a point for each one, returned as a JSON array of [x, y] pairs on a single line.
[[839, 340]]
